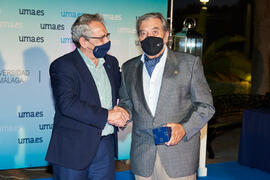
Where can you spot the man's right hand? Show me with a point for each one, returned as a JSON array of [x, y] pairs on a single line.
[[118, 116]]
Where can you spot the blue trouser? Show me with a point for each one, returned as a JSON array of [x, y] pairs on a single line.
[[101, 168]]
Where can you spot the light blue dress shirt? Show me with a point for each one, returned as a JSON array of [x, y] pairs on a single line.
[[103, 86]]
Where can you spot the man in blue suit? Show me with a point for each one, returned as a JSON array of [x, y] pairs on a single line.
[[85, 87]]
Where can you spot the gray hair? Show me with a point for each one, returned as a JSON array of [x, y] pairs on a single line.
[[151, 15], [80, 27]]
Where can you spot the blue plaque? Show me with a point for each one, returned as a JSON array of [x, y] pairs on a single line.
[[162, 135]]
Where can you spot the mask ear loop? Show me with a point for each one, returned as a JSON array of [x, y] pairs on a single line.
[[92, 44]]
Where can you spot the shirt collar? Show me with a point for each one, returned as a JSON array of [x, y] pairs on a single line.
[[164, 54], [89, 62]]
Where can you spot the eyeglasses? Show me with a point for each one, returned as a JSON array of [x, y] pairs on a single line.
[[101, 37]]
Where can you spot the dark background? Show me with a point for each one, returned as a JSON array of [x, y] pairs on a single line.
[[224, 17]]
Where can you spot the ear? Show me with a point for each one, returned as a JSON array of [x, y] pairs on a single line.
[[166, 37], [83, 42]]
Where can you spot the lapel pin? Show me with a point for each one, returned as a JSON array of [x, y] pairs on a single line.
[[176, 72]]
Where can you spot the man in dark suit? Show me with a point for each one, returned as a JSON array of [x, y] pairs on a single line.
[[164, 88], [85, 87]]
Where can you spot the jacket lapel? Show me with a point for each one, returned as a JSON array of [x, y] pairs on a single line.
[[170, 70], [139, 85], [87, 77], [108, 69]]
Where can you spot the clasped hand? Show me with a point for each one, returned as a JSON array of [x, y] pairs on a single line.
[[118, 116], [178, 132]]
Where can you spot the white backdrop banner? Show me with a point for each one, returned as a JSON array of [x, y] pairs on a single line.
[[34, 33]]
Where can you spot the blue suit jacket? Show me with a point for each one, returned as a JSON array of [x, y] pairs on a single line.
[[79, 118]]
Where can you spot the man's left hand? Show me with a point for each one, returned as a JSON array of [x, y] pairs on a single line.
[[178, 132]]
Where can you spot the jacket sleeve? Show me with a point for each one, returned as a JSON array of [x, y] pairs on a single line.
[[202, 102], [117, 77], [67, 101], [124, 98]]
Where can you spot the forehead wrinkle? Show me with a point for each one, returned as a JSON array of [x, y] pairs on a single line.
[[153, 28], [98, 28], [156, 28]]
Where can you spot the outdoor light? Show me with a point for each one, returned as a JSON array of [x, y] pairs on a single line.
[[188, 40], [204, 1]]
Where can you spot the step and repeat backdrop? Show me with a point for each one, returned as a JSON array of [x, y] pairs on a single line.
[[33, 34]]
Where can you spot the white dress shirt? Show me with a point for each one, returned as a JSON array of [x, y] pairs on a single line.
[[151, 85]]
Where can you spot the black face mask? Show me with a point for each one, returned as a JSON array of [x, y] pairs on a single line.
[[152, 45]]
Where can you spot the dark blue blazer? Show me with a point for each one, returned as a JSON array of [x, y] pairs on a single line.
[[79, 118]]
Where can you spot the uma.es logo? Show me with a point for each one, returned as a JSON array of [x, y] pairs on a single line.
[[45, 126], [32, 39], [30, 140], [32, 12], [66, 40], [52, 26], [37, 114], [71, 14]]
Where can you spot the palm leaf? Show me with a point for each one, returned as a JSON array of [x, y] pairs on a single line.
[[218, 46]]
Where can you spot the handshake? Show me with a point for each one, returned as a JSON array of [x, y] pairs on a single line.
[[118, 116]]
